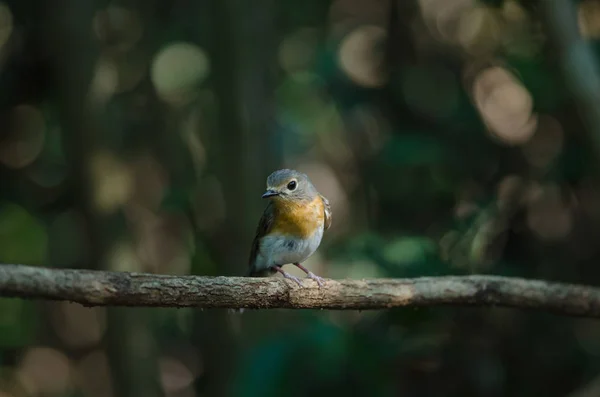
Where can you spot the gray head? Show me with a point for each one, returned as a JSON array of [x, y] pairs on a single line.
[[289, 185]]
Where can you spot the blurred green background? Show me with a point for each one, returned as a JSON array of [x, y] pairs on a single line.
[[137, 136]]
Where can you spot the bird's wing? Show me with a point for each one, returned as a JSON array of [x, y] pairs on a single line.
[[264, 226], [327, 210]]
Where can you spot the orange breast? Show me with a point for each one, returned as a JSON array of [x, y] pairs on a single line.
[[298, 219]]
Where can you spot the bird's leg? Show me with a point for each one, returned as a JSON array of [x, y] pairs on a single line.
[[310, 274], [287, 275]]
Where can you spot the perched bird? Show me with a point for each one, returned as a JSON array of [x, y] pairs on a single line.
[[291, 227]]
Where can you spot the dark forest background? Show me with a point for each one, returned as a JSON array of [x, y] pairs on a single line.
[[450, 136]]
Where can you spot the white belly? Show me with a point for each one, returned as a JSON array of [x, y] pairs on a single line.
[[282, 250]]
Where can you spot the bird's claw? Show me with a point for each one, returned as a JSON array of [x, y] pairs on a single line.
[[294, 278], [319, 280]]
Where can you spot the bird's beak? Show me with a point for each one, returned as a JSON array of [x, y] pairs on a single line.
[[270, 193]]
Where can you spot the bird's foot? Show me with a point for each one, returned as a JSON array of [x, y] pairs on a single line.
[[288, 276], [319, 280], [311, 275], [293, 278]]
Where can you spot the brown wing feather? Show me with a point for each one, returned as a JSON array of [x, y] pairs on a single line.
[[327, 210], [264, 226]]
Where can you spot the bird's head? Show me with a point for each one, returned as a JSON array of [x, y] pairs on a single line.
[[289, 185]]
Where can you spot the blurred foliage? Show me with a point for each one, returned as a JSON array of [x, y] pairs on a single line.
[[137, 135]]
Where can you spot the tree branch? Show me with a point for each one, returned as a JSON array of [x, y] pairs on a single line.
[[97, 288]]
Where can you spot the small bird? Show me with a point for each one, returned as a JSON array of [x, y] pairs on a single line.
[[291, 227]]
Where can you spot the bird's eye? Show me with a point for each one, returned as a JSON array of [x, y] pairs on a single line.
[[292, 185]]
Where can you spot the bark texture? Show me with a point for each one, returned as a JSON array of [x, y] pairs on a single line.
[[98, 288]]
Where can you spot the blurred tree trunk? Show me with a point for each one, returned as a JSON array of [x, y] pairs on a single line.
[[133, 352], [73, 53], [577, 64], [241, 154]]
